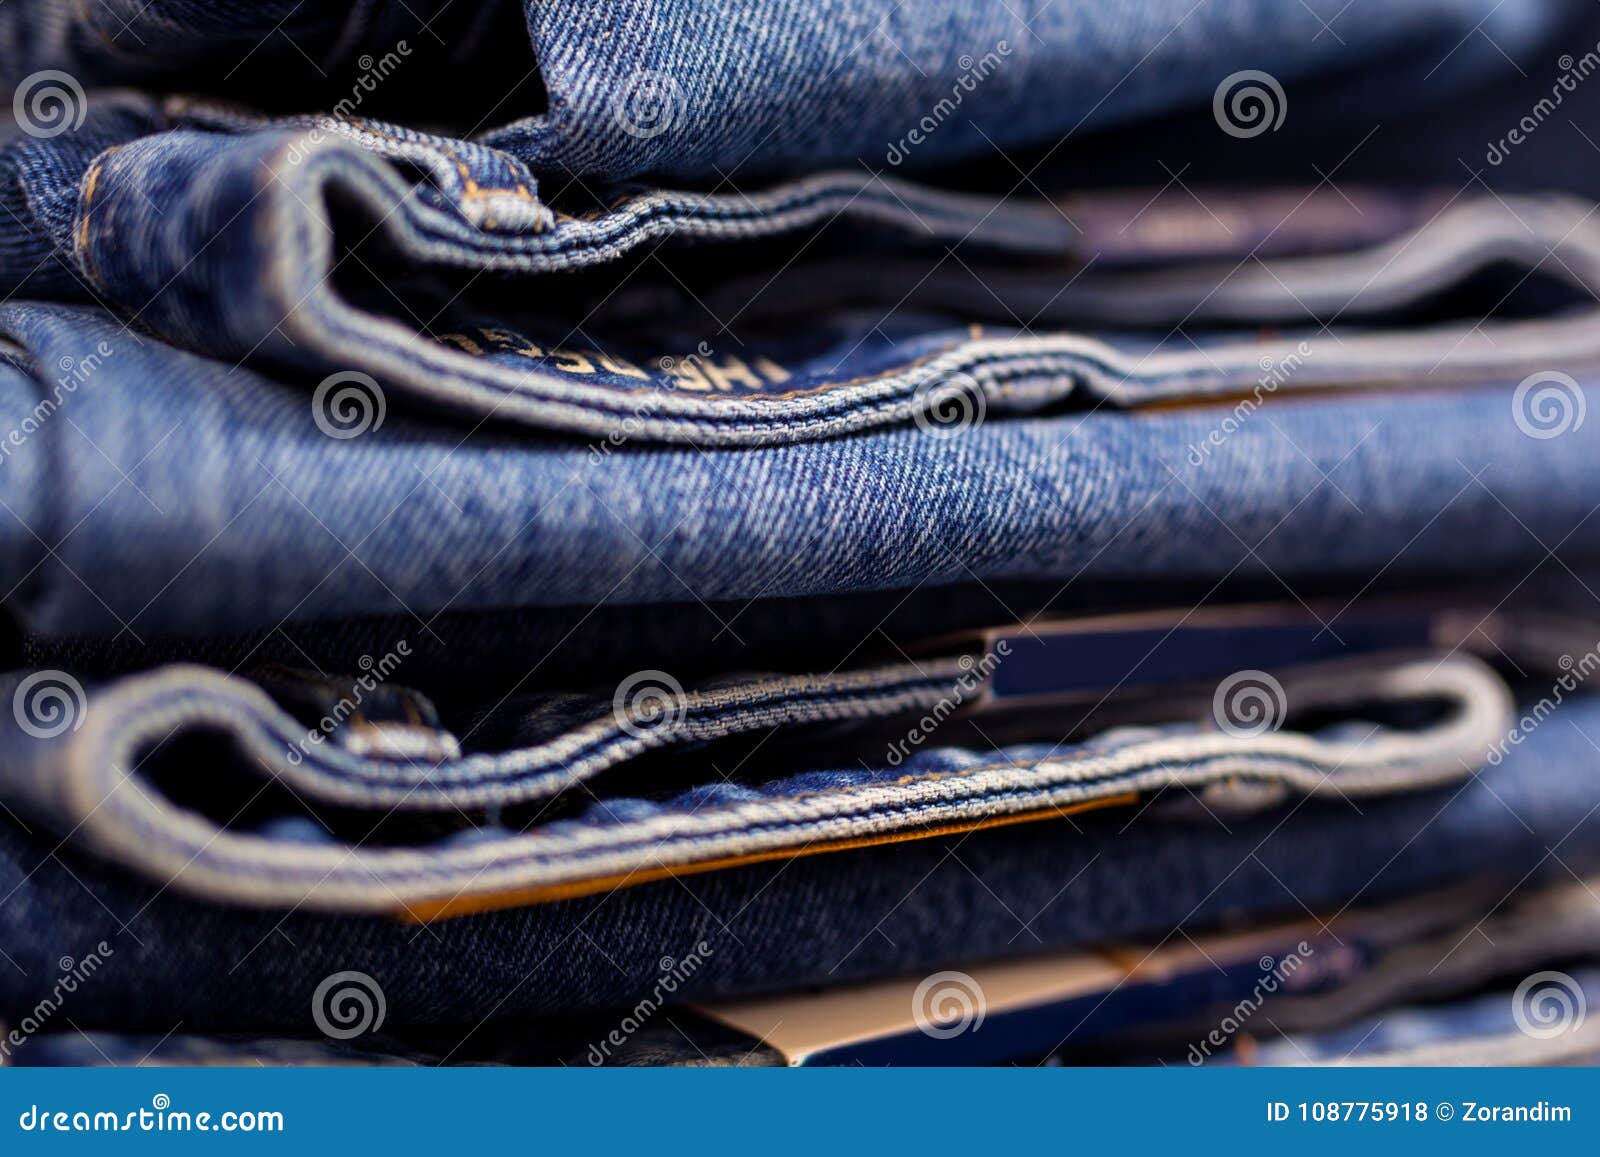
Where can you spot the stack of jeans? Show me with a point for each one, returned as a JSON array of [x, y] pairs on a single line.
[[572, 532]]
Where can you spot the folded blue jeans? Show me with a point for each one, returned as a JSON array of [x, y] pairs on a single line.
[[150, 491], [1100, 877], [127, 769], [338, 252]]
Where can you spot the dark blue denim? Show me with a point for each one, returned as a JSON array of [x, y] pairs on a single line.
[[1478, 1031], [817, 919], [536, 427], [364, 242], [367, 801], [704, 88], [167, 492]]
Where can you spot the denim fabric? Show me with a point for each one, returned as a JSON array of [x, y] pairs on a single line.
[[163, 224], [820, 919], [286, 54], [1384, 143], [685, 1041], [444, 351], [1481, 1031], [167, 492], [115, 1050], [706, 87], [1318, 981], [1363, 966], [105, 782]]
